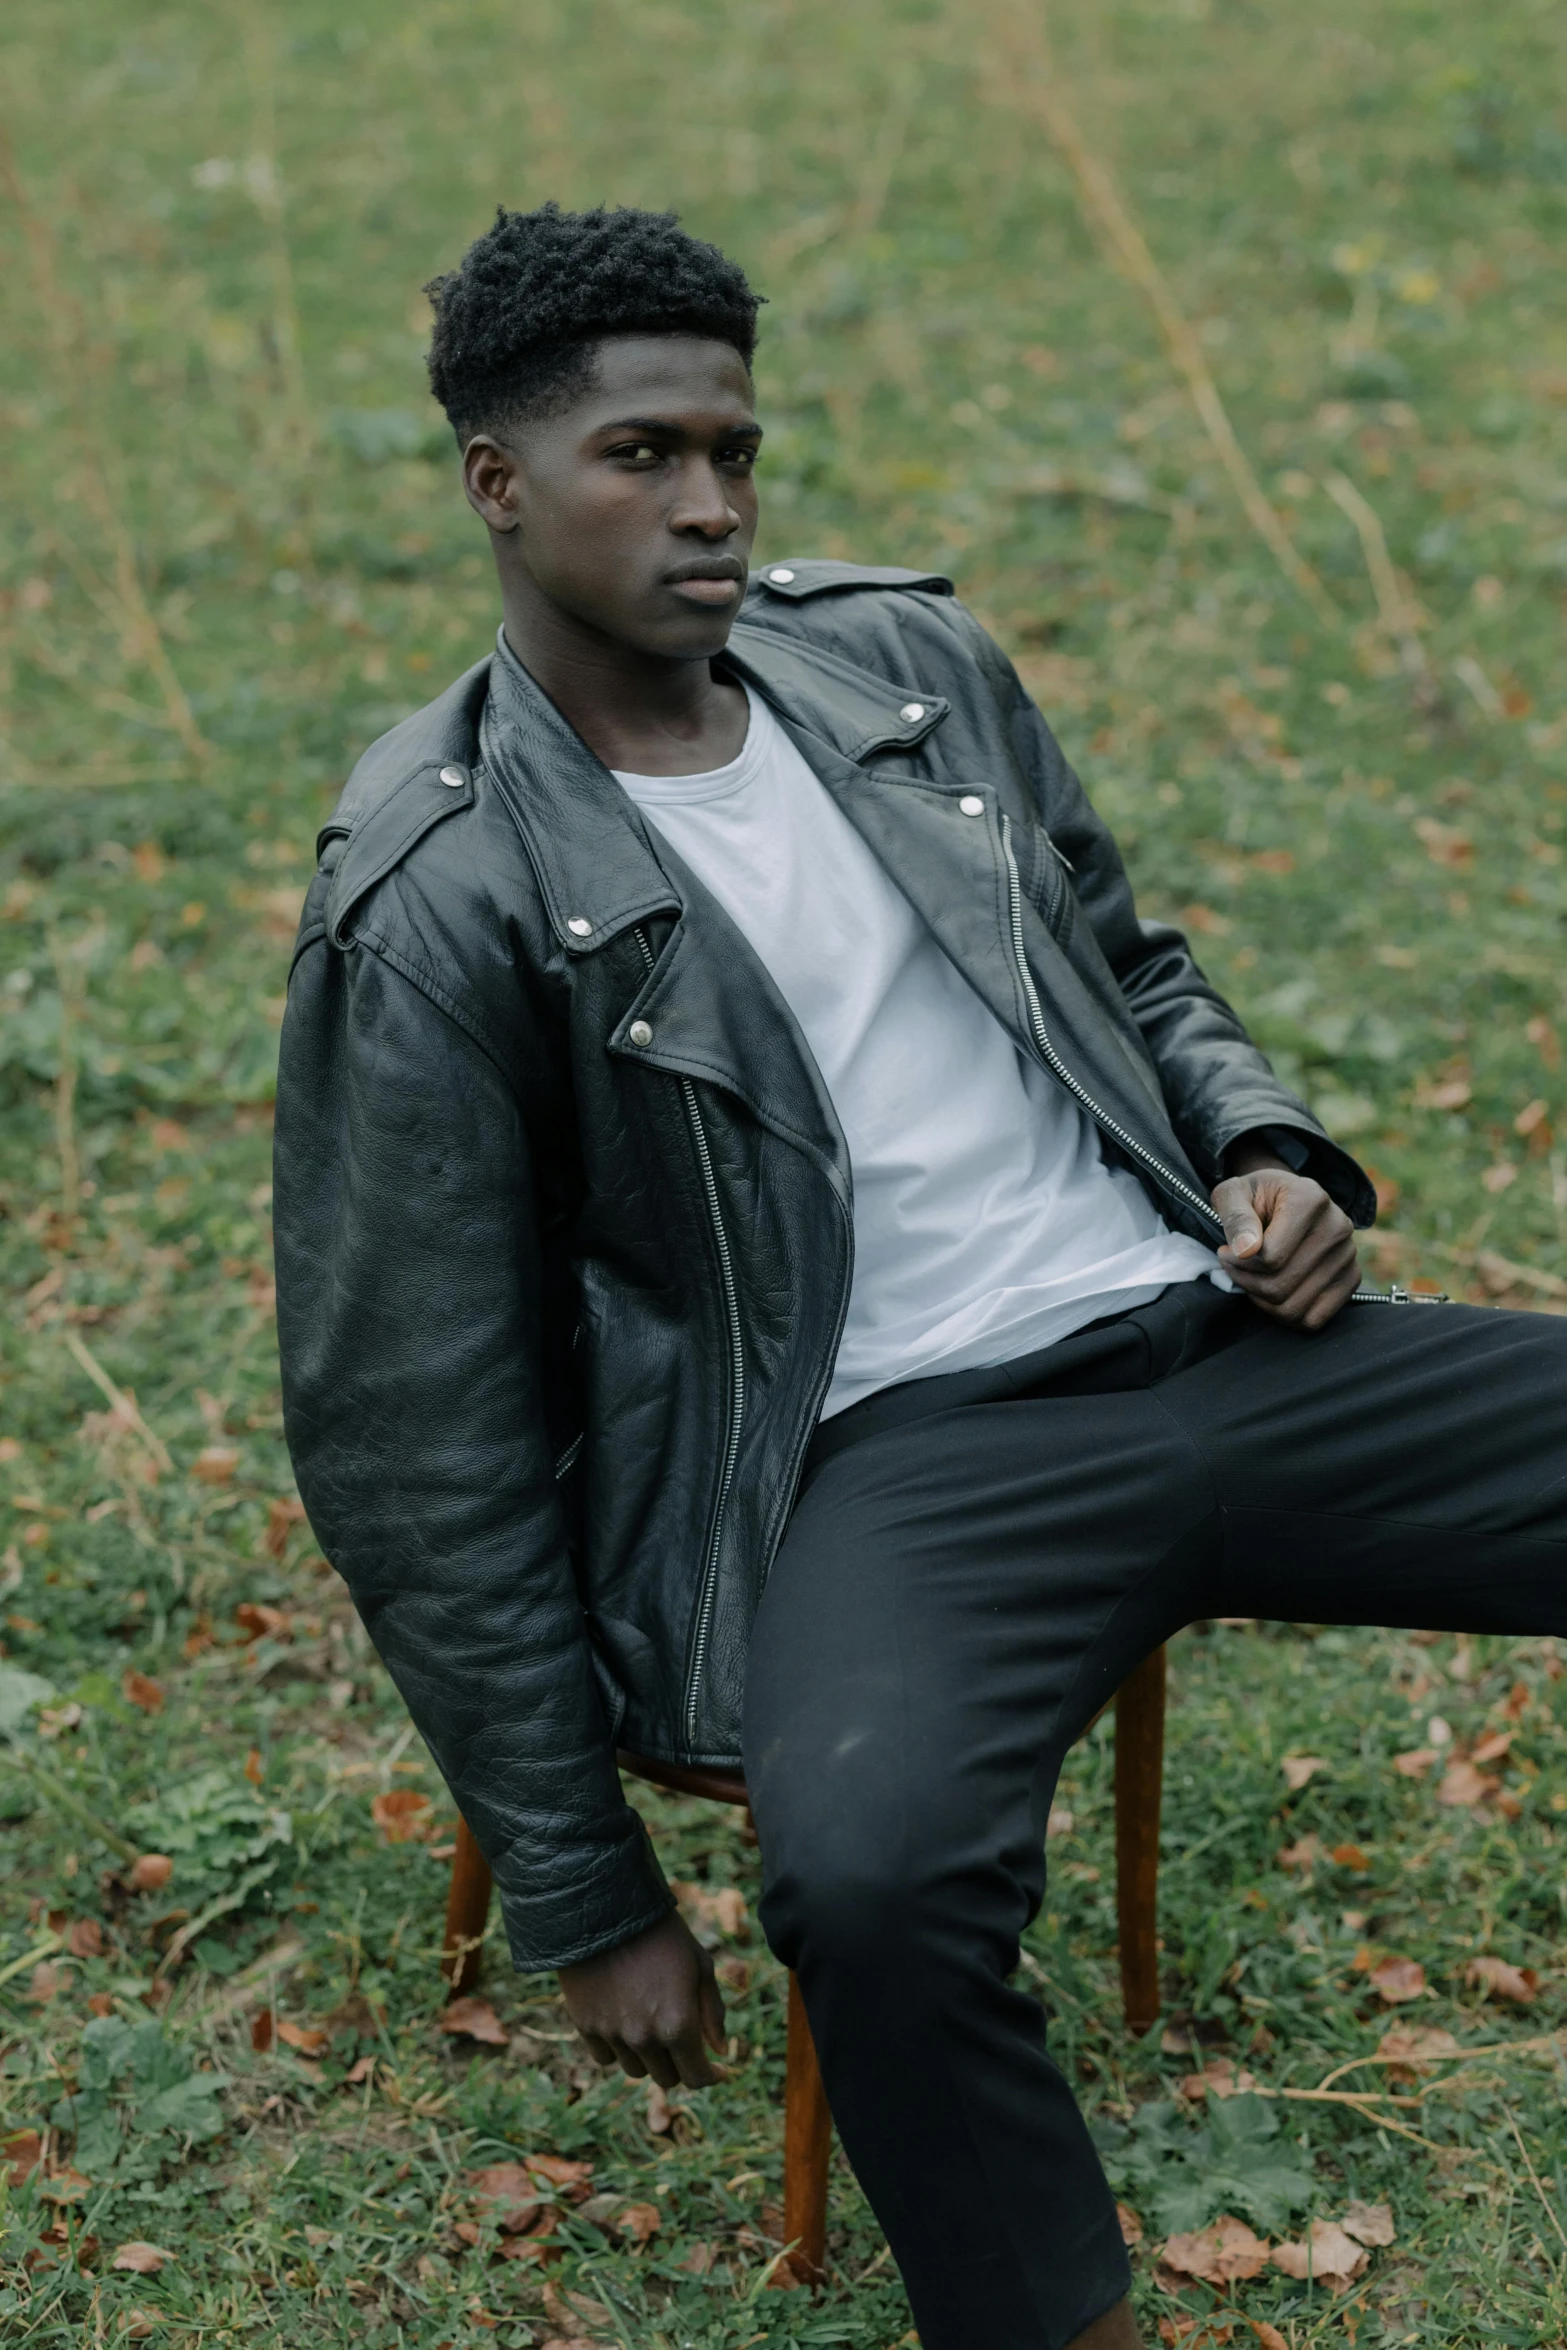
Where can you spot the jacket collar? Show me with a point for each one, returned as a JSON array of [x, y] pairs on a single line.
[[595, 858]]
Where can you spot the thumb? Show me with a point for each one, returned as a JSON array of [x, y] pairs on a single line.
[[1242, 1224]]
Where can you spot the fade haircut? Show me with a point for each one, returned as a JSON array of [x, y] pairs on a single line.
[[517, 322]]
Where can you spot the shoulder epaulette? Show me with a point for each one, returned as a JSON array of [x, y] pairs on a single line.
[[801, 577]]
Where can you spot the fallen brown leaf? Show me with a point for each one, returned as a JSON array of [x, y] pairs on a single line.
[[1493, 1748], [575, 2310], [1268, 2336], [85, 1939], [1223, 2252], [1349, 1856], [574, 2179], [1416, 2047], [140, 1689], [701, 2260], [144, 2260], [215, 1464], [263, 2030], [723, 1907], [1303, 1855], [1499, 1980], [1369, 2223], [1447, 1093], [1444, 843], [65, 2186], [20, 2155], [1415, 1763], [1218, 2078], [309, 2039], [283, 1514], [1131, 2226], [402, 1814], [1327, 2256], [361, 2070], [1397, 1979], [1462, 1785], [508, 2194], [150, 1872], [259, 1622], [1177, 2040], [1298, 1768], [475, 2019], [100, 2003], [639, 2221]]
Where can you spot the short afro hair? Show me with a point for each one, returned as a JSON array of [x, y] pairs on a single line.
[[517, 321]]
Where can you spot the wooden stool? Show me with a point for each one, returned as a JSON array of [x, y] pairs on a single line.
[[1139, 1776]]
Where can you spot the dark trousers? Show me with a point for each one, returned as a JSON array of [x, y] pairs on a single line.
[[973, 1566]]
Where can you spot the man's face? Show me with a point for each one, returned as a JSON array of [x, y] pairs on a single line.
[[633, 510]]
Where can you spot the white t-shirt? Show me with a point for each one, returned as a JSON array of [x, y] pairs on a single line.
[[986, 1223]]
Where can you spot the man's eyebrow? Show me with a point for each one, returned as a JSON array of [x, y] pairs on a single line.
[[673, 429]]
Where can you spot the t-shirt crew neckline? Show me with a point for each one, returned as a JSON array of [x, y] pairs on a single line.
[[712, 783]]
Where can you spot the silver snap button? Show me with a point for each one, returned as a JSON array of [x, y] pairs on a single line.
[[971, 804], [453, 778], [639, 1032], [782, 576], [579, 926], [911, 713]]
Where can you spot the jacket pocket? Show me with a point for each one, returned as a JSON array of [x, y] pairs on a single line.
[[1046, 879]]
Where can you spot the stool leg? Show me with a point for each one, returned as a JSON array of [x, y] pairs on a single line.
[[1139, 1779], [467, 1911], [807, 2145]]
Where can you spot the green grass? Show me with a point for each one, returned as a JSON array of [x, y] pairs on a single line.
[[239, 553]]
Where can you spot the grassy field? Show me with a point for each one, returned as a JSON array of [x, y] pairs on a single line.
[[238, 553]]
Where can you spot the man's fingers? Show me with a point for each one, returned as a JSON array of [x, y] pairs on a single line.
[[694, 2065], [598, 2048], [1276, 1275], [1243, 1233]]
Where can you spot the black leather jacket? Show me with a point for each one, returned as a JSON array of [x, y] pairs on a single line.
[[563, 1209]]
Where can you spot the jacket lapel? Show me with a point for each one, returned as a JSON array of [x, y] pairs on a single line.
[[599, 864]]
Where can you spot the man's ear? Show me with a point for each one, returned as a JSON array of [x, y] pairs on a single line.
[[489, 478]]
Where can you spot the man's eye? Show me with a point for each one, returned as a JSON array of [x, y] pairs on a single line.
[[636, 452], [744, 456]]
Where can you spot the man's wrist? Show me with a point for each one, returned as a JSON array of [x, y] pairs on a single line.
[[1250, 1153]]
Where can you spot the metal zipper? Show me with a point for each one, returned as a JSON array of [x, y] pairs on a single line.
[[567, 1460], [709, 1591], [1394, 1296], [1058, 1067]]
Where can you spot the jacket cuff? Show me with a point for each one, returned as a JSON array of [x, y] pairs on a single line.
[[545, 1931]]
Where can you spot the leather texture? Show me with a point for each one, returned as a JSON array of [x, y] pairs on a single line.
[[564, 1212]]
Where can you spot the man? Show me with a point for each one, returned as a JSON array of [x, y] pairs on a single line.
[[776, 1262]]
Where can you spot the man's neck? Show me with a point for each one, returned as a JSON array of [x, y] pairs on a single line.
[[642, 713]]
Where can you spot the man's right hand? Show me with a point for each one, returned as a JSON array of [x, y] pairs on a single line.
[[649, 2004]]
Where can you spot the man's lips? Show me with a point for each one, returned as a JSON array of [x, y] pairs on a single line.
[[718, 581]]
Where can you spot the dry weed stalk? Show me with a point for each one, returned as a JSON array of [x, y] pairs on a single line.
[[1034, 83], [1393, 609], [70, 347]]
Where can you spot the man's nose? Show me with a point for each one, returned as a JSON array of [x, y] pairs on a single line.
[[704, 505]]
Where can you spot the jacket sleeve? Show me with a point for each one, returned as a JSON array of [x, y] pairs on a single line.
[[1217, 1083], [409, 1324]]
